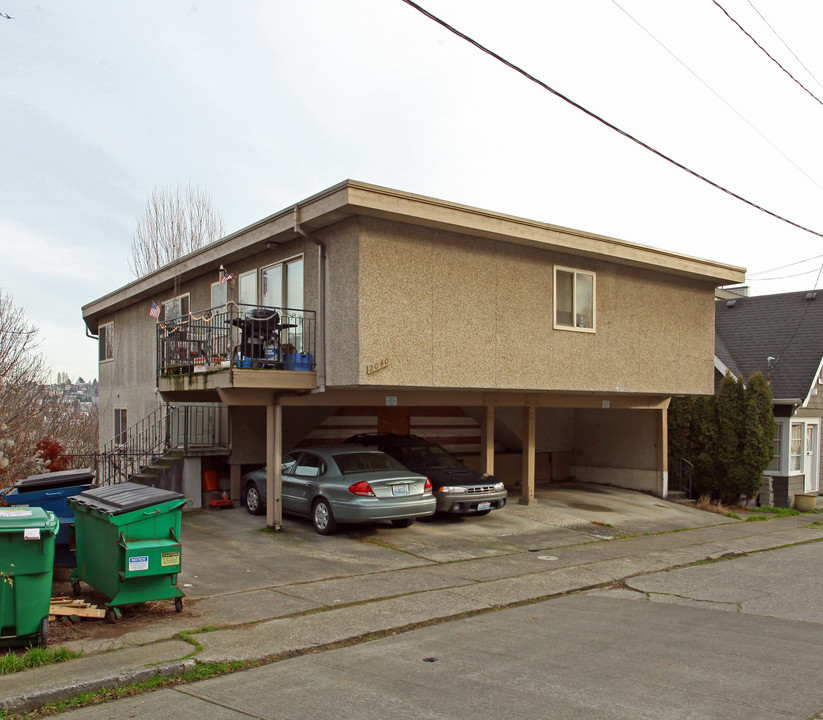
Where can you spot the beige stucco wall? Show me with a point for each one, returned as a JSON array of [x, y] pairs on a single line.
[[441, 310]]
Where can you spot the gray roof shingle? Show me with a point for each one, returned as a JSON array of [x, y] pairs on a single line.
[[787, 327]]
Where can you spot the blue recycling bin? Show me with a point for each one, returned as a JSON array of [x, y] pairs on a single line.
[[49, 491]]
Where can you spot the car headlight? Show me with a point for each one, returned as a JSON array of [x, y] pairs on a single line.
[[498, 487], [452, 489]]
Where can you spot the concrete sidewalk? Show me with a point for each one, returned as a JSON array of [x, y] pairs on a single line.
[[258, 595]]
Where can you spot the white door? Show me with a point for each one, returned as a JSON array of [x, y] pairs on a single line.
[[812, 462]]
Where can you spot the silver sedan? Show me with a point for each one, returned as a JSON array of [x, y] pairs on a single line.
[[344, 484]]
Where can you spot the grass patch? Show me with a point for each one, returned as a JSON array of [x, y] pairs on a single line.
[[779, 511], [202, 671], [756, 518], [11, 662]]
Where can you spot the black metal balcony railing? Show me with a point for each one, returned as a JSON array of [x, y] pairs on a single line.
[[236, 336]]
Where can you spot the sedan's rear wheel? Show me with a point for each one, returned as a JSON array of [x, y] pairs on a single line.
[[322, 518], [402, 522], [253, 502]]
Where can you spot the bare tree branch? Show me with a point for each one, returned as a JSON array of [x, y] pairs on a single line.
[[176, 221]]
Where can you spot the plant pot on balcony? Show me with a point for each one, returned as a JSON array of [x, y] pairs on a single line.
[[805, 502]]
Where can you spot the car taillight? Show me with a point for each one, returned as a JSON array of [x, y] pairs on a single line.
[[361, 488], [427, 488]]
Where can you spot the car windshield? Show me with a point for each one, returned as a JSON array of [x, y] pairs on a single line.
[[358, 462], [429, 456]]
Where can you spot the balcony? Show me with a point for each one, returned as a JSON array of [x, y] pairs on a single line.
[[203, 355]]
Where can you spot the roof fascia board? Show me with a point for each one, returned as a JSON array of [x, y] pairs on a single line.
[[813, 387], [721, 367], [350, 198]]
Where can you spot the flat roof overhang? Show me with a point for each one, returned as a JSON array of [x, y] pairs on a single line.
[[351, 198]]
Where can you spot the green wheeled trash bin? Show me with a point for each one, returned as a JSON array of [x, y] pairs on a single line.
[[26, 567], [127, 540]]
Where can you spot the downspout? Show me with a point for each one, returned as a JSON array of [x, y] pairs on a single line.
[[321, 302]]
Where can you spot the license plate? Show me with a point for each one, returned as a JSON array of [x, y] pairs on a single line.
[[484, 506], [399, 489]]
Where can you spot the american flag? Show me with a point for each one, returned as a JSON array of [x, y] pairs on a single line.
[[155, 311], [225, 275]]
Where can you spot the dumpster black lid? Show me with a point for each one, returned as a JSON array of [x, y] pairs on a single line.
[[50, 481], [124, 497]]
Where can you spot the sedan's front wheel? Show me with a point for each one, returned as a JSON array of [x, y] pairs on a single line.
[[322, 518], [253, 502]]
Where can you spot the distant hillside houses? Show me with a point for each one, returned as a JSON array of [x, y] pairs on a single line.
[[80, 396]]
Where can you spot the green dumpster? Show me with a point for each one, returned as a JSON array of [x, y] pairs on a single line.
[[127, 538], [26, 565]]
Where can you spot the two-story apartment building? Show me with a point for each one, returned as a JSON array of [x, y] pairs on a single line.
[[536, 350]]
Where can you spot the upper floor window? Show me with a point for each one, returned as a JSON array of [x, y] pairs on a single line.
[[283, 284], [121, 425], [219, 294], [574, 297], [105, 347], [175, 308]]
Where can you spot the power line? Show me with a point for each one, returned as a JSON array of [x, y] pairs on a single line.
[[783, 267], [605, 122], [767, 52], [716, 94], [777, 35]]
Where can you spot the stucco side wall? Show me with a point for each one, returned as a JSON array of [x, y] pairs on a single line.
[[128, 380], [438, 309], [342, 304]]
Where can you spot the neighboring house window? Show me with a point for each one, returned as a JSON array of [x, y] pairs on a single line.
[[247, 288], [777, 448], [105, 335], [120, 425], [283, 284], [175, 308], [219, 294], [574, 297], [796, 450]]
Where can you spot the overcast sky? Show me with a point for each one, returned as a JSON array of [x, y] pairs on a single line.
[[267, 102]]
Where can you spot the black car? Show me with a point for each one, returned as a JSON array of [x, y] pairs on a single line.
[[458, 489]]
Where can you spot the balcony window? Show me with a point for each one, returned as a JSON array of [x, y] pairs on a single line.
[[105, 348]]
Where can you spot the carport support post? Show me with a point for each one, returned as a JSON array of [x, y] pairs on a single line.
[[487, 441], [663, 452], [274, 461], [527, 480]]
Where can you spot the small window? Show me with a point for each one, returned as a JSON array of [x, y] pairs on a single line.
[[120, 426], [105, 335], [574, 299], [247, 288], [175, 308], [777, 448], [219, 294], [796, 449]]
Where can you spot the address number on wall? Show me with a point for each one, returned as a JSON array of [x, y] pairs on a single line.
[[377, 365]]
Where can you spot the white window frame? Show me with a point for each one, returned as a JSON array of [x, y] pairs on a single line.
[[794, 443], [575, 272], [284, 282], [223, 290], [245, 280], [105, 338], [166, 303]]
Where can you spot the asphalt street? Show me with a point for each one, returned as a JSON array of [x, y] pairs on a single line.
[[739, 638]]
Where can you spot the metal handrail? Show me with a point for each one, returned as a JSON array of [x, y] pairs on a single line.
[[236, 335], [168, 428]]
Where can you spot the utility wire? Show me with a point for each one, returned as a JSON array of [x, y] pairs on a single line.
[[783, 267], [767, 52], [605, 122], [716, 94], [777, 35]]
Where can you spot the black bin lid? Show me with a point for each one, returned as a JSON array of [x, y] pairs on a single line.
[[124, 497], [51, 481]]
